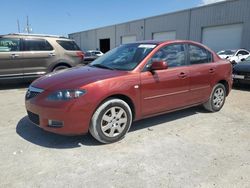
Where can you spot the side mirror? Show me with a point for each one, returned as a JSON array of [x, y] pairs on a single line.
[[159, 65]]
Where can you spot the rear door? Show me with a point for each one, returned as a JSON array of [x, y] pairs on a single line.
[[202, 69], [38, 54], [10, 58]]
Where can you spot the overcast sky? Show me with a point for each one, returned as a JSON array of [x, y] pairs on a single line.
[[62, 17]]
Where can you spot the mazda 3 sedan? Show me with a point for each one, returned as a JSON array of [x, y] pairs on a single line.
[[131, 82]]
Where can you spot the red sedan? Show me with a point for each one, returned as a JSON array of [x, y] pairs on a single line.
[[131, 82]]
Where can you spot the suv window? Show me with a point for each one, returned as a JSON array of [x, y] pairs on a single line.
[[174, 55], [9, 45], [37, 45], [242, 53], [199, 55], [68, 45]]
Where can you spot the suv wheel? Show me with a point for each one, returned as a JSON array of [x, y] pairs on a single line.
[[60, 67], [111, 121], [217, 98]]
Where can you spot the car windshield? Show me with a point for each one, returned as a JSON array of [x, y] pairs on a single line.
[[227, 52], [125, 57], [248, 59]]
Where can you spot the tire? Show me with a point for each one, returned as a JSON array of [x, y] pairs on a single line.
[[111, 121], [60, 67], [217, 98]]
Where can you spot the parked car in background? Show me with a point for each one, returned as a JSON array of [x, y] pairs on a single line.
[[33, 55], [131, 82], [234, 56], [241, 72], [91, 55]]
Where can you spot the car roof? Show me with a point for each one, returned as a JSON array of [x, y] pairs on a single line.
[[28, 35]]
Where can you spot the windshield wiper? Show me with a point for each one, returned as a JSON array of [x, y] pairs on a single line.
[[101, 66]]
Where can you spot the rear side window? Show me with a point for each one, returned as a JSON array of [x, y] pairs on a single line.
[[9, 45], [68, 45], [37, 45], [243, 53], [199, 55]]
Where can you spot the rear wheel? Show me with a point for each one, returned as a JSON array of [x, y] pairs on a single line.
[[111, 121], [217, 98]]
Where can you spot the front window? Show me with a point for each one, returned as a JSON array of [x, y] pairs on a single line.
[[125, 57], [174, 55]]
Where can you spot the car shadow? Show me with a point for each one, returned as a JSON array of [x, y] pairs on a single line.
[[242, 87], [165, 118], [17, 85], [38, 136]]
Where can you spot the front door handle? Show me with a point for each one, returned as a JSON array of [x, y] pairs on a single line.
[[211, 70], [182, 75], [51, 54], [13, 56]]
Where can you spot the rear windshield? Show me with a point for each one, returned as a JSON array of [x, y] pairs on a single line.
[[68, 45], [227, 52]]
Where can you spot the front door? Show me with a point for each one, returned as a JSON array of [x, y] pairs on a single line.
[[10, 58], [168, 89]]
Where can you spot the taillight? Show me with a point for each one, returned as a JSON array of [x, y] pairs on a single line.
[[80, 55]]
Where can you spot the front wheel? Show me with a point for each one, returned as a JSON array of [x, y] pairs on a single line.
[[217, 98], [111, 121]]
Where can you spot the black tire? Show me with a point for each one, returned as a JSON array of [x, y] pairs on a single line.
[[60, 67], [104, 118], [212, 104]]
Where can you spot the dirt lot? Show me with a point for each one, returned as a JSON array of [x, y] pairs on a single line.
[[189, 148]]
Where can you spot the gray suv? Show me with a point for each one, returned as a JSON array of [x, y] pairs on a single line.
[[31, 55]]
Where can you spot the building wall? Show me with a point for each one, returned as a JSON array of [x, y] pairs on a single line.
[[187, 24], [178, 22], [131, 28], [231, 12]]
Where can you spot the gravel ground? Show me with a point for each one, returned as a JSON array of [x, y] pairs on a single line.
[[189, 148]]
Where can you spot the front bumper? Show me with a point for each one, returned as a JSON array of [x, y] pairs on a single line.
[[74, 115]]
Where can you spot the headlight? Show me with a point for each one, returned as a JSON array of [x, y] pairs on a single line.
[[65, 95]]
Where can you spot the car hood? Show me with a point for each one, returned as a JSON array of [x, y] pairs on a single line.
[[242, 67], [74, 78]]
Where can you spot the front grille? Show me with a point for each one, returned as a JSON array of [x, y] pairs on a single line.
[[34, 118], [32, 92]]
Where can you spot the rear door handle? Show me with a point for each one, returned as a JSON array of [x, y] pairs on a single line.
[[13, 56], [182, 75], [51, 54]]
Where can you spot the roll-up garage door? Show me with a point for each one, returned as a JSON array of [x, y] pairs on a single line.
[[128, 39], [162, 36], [223, 37]]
